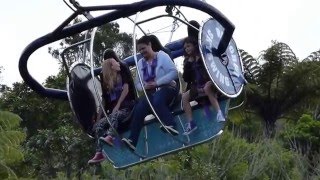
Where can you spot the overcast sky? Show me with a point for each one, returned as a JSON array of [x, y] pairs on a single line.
[[294, 22]]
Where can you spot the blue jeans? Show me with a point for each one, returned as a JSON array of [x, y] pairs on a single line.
[[160, 101]]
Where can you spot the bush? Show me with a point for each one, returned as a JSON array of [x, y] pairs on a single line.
[[304, 136]]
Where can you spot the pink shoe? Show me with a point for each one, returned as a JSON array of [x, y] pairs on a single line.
[[108, 139], [98, 157]]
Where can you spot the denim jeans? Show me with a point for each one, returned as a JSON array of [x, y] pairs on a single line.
[[160, 101]]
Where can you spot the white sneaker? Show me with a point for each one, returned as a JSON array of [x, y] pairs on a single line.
[[220, 117]]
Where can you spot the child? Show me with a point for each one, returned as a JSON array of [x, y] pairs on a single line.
[[198, 81]]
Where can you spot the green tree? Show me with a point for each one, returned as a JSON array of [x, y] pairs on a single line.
[[3, 87], [11, 138], [37, 112], [304, 135], [58, 150], [282, 84], [107, 36]]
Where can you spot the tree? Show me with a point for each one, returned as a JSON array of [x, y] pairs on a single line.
[[107, 36], [304, 135], [36, 112], [63, 149], [1, 69], [282, 84], [11, 137], [3, 87]]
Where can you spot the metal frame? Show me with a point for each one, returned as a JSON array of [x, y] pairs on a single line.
[[69, 47], [124, 10]]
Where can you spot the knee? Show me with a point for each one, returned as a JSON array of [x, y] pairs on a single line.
[[140, 110], [207, 89], [158, 102], [186, 97], [142, 103]]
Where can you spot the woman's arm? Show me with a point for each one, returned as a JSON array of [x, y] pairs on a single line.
[[124, 93], [166, 62]]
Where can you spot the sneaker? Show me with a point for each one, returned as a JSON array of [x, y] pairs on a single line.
[[220, 117], [190, 127], [108, 139], [171, 129], [98, 157], [128, 143]]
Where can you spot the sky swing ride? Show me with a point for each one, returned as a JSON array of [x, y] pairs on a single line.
[[218, 51]]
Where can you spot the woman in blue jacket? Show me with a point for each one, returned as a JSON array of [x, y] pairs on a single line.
[[158, 73]]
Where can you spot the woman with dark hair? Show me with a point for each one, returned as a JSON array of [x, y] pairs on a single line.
[[198, 82], [118, 99], [158, 73]]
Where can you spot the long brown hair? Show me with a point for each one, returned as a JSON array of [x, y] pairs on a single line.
[[194, 42], [110, 77]]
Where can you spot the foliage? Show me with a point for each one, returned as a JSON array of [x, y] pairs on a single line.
[[57, 150], [283, 85], [107, 36], [246, 125], [304, 135], [251, 66], [37, 112], [10, 150], [228, 157]]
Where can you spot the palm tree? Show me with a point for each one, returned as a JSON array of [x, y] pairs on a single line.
[[11, 137], [282, 83], [252, 68], [314, 56]]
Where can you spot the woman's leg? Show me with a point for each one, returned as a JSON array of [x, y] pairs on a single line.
[[190, 125], [141, 110], [186, 105], [212, 95], [161, 101], [115, 118], [100, 128]]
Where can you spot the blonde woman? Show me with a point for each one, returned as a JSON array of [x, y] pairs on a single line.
[[118, 99]]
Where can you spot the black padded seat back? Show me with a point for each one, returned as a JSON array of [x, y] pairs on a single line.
[[157, 46], [191, 31]]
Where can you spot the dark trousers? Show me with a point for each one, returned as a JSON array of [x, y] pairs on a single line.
[[160, 101], [102, 128]]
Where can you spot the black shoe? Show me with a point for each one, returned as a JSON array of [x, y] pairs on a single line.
[[128, 143], [171, 129]]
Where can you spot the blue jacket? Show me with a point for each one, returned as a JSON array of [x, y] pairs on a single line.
[[166, 71]]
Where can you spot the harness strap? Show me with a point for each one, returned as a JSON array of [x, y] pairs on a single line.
[[149, 76]]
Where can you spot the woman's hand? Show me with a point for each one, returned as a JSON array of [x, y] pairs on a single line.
[[115, 109], [150, 85]]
